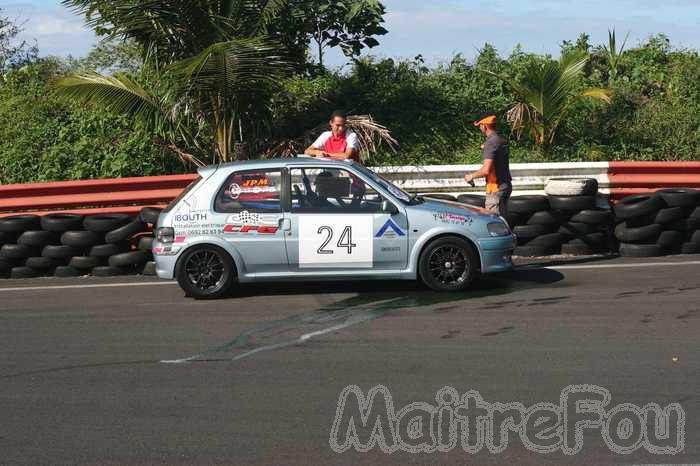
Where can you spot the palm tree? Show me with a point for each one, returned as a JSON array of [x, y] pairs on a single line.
[[209, 66], [614, 55], [546, 93]]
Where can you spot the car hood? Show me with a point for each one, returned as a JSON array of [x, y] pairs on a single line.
[[455, 208]]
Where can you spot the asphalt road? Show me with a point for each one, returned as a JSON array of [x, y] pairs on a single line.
[[256, 379]]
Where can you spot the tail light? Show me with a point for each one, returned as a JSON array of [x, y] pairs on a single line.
[[165, 235]]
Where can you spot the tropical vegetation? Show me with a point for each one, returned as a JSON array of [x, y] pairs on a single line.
[[146, 101]]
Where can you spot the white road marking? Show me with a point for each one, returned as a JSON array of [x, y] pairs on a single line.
[[96, 285], [527, 267], [618, 266]]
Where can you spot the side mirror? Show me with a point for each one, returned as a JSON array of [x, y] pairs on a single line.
[[389, 208]]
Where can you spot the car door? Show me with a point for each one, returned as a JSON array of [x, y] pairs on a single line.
[[338, 224], [249, 205]]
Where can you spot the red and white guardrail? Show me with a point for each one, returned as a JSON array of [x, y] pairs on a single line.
[[129, 195]]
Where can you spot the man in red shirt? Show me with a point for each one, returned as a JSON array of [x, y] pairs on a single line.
[[339, 143]]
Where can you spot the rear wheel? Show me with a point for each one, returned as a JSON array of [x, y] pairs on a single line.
[[205, 272], [449, 264]]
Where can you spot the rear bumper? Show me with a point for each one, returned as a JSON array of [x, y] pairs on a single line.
[[496, 254]]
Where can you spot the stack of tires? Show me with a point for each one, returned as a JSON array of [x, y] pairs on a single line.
[[659, 224], [566, 221], [70, 245], [585, 228]]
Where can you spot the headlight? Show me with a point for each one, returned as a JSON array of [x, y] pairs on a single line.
[[498, 229], [165, 235]]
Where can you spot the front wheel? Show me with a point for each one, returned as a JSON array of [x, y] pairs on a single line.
[[205, 272], [449, 264]]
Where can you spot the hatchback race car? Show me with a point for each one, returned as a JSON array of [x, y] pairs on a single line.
[[318, 220]]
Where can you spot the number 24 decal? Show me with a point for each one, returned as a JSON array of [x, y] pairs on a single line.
[[345, 240]]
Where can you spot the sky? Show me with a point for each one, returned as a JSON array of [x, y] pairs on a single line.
[[438, 29]]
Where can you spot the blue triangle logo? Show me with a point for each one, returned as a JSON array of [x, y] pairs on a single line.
[[390, 224]]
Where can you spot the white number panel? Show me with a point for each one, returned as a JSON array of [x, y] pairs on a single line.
[[336, 241]]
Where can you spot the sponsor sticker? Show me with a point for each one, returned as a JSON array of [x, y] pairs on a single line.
[[390, 230], [453, 219]]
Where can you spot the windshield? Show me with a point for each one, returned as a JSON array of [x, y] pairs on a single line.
[[397, 192]]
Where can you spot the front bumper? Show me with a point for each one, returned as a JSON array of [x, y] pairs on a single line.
[[496, 253]]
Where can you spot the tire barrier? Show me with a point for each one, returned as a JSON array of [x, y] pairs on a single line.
[[73, 245], [565, 221], [662, 223]]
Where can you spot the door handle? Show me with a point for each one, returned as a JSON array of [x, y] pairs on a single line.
[[285, 224]]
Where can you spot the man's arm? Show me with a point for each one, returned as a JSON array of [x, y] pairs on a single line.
[[483, 172], [340, 155], [312, 151]]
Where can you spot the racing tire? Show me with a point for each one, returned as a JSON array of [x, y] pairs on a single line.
[[18, 251], [680, 197], [65, 271], [20, 223], [61, 222], [572, 203], [572, 229], [669, 215], [129, 259], [472, 199], [81, 238], [146, 243], [594, 217], [532, 231], [536, 251], [640, 250], [86, 262], [695, 213], [593, 240], [544, 217], [24, 272], [205, 272], [570, 249], [694, 237], [109, 271], [686, 224], [641, 205], [125, 232], [107, 250], [7, 238], [690, 248], [647, 234], [514, 219], [549, 240], [43, 263], [571, 187], [148, 269], [528, 204], [150, 215], [6, 264], [39, 238], [441, 197], [59, 251], [102, 223], [670, 240], [448, 264]]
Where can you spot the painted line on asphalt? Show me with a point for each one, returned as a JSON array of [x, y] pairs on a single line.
[[618, 266], [527, 267], [96, 285]]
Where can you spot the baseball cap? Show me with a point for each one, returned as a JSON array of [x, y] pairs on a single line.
[[489, 120]]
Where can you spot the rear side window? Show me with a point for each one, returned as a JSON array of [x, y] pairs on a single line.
[[182, 194], [252, 191]]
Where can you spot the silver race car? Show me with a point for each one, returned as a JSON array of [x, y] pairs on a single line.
[[316, 219]]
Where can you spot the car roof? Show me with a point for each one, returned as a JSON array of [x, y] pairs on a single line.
[[273, 163]]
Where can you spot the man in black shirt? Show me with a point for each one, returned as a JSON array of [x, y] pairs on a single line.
[[496, 168]]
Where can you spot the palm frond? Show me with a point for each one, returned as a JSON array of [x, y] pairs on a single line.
[[599, 93], [233, 64], [118, 93]]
